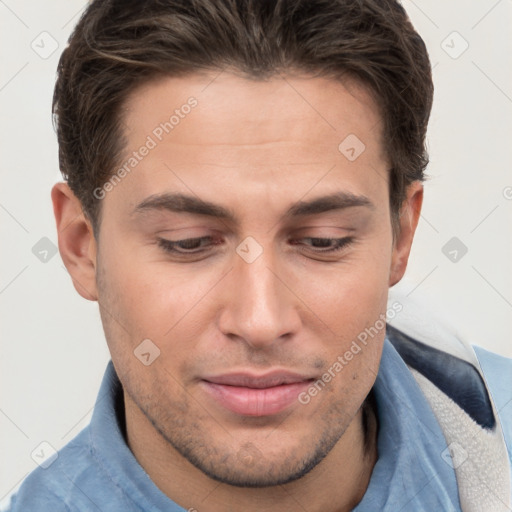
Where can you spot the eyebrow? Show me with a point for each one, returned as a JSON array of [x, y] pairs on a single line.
[[182, 203]]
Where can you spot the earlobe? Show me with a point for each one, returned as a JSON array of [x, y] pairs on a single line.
[[409, 217], [77, 244]]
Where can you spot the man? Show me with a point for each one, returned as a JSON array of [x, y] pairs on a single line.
[[243, 184]]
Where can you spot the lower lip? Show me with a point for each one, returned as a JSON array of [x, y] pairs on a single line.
[[256, 402]]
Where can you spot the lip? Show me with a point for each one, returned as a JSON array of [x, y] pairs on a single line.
[[256, 395]]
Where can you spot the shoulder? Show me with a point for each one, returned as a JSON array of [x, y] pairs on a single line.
[[57, 487], [497, 372], [36, 493]]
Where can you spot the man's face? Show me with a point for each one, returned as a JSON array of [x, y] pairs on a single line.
[[258, 294]]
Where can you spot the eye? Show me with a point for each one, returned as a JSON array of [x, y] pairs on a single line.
[[191, 246], [185, 246], [326, 245]]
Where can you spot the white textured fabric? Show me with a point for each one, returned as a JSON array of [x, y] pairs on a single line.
[[417, 320], [478, 456]]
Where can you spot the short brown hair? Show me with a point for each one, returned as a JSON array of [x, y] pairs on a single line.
[[120, 44]]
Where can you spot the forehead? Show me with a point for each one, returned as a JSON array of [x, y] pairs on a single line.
[[216, 129], [261, 107]]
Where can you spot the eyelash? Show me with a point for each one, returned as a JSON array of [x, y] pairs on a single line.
[[170, 245]]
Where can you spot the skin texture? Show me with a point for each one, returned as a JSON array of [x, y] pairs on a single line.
[[255, 148]]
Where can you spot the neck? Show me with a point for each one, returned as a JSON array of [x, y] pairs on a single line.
[[336, 484]]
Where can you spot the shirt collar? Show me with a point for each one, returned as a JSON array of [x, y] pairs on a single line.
[[409, 468], [112, 452]]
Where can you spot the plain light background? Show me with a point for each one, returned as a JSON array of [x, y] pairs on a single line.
[[53, 348]]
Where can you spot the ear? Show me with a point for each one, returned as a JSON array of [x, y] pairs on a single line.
[[409, 217], [77, 244]]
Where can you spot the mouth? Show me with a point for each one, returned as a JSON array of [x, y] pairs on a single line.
[[252, 395]]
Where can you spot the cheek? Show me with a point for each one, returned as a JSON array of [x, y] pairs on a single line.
[[352, 301], [146, 300], [149, 300], [141, 305], [351, 297]]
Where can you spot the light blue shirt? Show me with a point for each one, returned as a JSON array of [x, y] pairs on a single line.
[[96, 471]]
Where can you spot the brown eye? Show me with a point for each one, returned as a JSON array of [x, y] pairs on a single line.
[[185, 246], [327, 245]]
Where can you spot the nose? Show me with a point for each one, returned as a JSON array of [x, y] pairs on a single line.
[[260, 307]]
